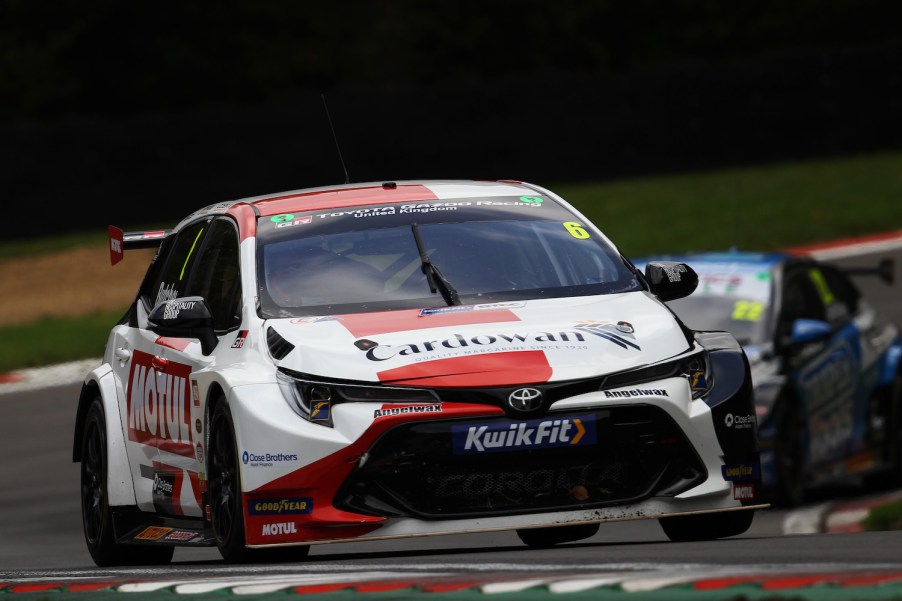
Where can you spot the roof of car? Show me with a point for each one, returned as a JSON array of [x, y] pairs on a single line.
[[351, 195]]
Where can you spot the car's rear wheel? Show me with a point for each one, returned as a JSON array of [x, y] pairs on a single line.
[[226, 507], [96, 516], [708, 526], [555, 535]]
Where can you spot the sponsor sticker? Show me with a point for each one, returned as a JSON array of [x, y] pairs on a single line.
[[279, 528], [253, 459], [239, 339], [281, 506], [739, 422], [321, 411], [158, 406], [406, 409], [153, 533], [504, 437], [625, 394], [743, 492], [163, 484], [183, 536], [456, 344], [742, 471]]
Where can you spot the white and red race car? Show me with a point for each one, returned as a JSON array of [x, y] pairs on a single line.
[[399, 359]]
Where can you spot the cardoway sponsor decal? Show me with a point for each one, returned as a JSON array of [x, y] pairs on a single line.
[[458, 344], [159, 406], [280, 506], [624, 394], [524, 435], [405, 409]]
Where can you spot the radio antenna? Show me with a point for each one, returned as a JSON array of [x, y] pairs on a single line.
[[335, 137]]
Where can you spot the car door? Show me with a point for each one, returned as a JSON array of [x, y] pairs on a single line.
[[154, 407], [214, 275], [824, 372]]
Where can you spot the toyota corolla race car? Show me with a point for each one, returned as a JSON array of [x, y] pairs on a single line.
[[825, 365], [376, 361]]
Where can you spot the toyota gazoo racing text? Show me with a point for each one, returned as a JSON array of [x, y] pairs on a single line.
[[376, 361]]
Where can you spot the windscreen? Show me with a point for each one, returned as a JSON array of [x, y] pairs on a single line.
[[386, 257], [735, 297]]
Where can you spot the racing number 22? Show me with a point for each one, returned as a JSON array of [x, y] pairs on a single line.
[[576, 230]]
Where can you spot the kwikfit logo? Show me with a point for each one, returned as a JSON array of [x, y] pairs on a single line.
[[525, 435]]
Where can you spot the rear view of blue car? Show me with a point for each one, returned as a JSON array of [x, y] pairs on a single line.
[[825, 365]]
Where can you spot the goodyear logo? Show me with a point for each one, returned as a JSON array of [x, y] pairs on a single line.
[[742, 471], [524, 435], [321, 411], [284, 506]]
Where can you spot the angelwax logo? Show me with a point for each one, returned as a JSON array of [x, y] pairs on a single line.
[[487, 343], [281, 506], [523, 435], [406, 409], [159, 406]]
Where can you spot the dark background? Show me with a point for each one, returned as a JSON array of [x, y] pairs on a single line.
[[140, 112]]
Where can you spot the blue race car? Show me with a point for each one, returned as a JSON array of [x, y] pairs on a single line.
[[825, 365]]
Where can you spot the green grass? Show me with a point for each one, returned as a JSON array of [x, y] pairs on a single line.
[[754, 208], [55, 340], [886, 517], [759, 208]]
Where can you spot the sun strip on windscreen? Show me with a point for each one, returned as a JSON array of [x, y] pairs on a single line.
[[190, 252]]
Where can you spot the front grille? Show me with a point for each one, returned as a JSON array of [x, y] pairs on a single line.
[[422, 469]]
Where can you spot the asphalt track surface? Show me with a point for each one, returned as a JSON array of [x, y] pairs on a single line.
[[41, 537]]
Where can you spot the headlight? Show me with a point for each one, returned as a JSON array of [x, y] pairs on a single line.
[[312, 398], [693, 366]]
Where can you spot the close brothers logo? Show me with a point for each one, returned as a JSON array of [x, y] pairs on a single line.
[[524, 435]]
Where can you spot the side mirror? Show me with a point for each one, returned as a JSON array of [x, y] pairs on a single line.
[[187, 317], [670, 280], [806, 331]]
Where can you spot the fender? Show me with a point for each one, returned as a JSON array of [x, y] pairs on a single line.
[[120, 488], [891, 363]]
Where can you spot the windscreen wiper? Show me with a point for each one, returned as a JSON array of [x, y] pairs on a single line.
[[437, 282]]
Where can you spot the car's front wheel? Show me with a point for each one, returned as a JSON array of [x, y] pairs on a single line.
[[708, 526], [226, 507], [789, 447], [555, 535], [96, 515]]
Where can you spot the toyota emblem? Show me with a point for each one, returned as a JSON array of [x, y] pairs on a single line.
[[525, 399]]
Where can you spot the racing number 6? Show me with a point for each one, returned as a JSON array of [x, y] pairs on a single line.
[[576, 230]]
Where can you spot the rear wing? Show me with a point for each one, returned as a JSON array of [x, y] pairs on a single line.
[[884, 270], [121, 241]]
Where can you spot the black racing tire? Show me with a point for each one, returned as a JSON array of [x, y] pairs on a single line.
[[789, 457], [555, 535], [226, 506], [894, 444], [96, 515], [709, 526]]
